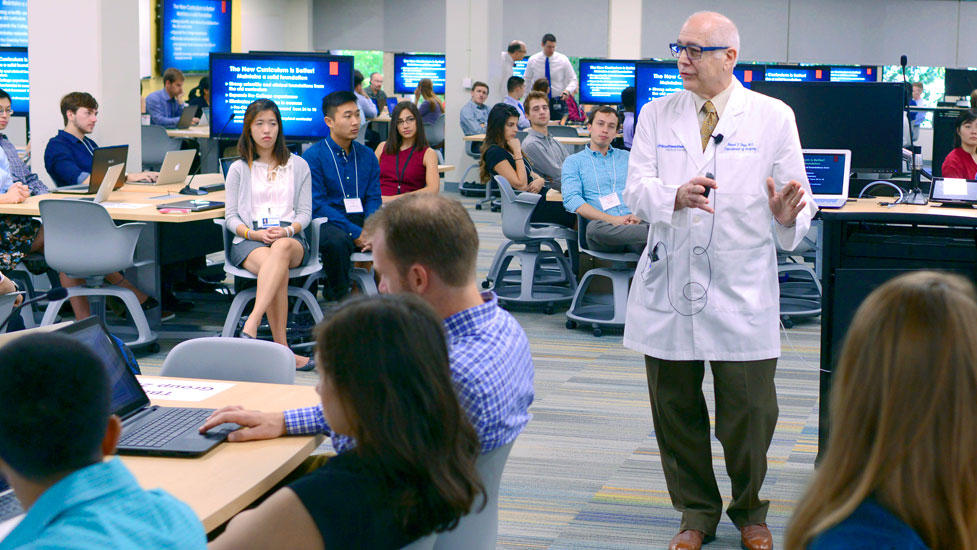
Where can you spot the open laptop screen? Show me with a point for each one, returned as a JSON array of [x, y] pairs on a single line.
[[826, 172], [127, 394]]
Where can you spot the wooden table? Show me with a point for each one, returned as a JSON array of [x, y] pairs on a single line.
[[382, 117], [226, 480], [193, 132]]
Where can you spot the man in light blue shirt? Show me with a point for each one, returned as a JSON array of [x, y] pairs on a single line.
[[515, 87], [165, 107], [55, 430], [593, 181], [474, 115]]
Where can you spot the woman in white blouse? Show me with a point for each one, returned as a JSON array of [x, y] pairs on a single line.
[[269, 204]]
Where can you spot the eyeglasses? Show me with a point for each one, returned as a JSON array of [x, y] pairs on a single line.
[[694, 52], [408, 120], [8, 112]]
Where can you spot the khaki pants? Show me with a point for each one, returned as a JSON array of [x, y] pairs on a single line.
[[746, 415]]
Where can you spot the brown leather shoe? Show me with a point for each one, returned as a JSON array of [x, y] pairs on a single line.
[[756, 537], [690, 539]]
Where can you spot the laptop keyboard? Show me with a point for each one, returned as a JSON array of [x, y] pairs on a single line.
[[165, 427], [9, 506]]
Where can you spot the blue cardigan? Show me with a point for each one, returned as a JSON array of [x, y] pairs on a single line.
[[869, 527]]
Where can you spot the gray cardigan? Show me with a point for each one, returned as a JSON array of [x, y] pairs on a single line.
[[237, 201]]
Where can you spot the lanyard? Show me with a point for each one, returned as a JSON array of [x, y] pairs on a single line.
[[400, 174], [91, 150], [597, 178], [356, 170]]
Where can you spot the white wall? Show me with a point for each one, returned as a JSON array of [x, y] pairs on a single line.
[[284, 25], [105, 64], [388, 25], [580, 26]]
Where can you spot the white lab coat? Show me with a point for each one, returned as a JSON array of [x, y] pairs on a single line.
[[713, 293]]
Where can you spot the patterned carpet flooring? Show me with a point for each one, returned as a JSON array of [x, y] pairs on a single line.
[[586, 472]]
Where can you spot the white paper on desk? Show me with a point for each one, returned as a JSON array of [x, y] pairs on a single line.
[[179, 389], [955, 186], [109, 204]]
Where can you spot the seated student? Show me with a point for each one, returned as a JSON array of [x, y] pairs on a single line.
[[269, 204], [407, 164], [19, 235], [411, 474], [514, 89], [200, 96], [899, 471], [541, 85], [629, 102], [68, 160], [962, 160], [431, 107], [345, 189], [375, 91], [368, 109], [475, 113], [545, 154], [502, 155], [55, 430], [68, 156], [428, 245], [165, 106], [593, 181]]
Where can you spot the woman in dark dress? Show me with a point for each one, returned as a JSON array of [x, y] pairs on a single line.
[[407, 164]]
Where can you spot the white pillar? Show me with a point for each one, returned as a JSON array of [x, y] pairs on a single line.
[[473, 40], [624, 29], [94, 49]]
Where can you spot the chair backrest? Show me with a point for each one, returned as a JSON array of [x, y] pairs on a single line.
[[582, 231], [435, 131], [562, 131], [7, 306], [155, 144], [81, 239], [516, 213], [521, 135], [440, 156], [236, 359], [473, 149]]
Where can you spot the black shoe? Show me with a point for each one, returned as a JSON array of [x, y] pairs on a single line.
[[308, 366], [151, 303]]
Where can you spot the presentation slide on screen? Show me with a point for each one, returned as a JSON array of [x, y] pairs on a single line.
[[603, 81], [826, 173], [519, 68], [652, 82], [14, 79], [795, 74], [748, 74], [13, 23], [296, 84], [192, 29], [410, 69], [854, 74]]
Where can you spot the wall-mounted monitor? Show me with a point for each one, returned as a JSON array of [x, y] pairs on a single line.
[[296, 83], [960, 82], [865, 118], [190, 30], [14, 79], [854, 74], [654, 79], [409, 69], [519, 68], [602, 80], [13, 23], [748, 73], [792, 73]]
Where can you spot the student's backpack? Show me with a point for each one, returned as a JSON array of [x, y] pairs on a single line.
[[574, 112]]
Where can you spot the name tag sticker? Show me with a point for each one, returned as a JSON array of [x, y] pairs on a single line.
[[610, 201], [353, 206], [270, 221]]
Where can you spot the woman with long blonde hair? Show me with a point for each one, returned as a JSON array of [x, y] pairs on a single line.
[[900, 470], [431, 107]]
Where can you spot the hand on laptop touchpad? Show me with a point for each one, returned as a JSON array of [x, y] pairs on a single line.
[[220, 431]]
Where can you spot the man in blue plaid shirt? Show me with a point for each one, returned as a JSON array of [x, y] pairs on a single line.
[[427, 245]]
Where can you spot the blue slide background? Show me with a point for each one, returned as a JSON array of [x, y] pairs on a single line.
[[13, 23], [410, 69], [826, 173], [296, 83], [14, 78], [192, 29], [602, 81]]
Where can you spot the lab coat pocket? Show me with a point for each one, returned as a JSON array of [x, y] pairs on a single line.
[[742, 279], [649, 288], [742, 221]]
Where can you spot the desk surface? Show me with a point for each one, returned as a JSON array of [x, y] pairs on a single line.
[[383, 117], [226, 480], [869, 209], [137, 194], [193, 132], [562, 139]]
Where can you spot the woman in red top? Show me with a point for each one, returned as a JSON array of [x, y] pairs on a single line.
[[962, 160], [407, 164]]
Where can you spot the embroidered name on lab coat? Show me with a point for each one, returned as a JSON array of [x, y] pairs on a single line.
[[741, 147], [670, 147]]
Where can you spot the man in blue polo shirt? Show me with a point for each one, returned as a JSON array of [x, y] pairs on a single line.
[[345, 189], [166, 106], [68, 156], [55, 430]]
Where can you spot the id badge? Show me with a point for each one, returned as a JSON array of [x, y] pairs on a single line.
[[610, 201], [353, 206], [270, 221]]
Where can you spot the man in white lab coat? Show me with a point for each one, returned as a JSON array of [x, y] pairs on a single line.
[[712, 168]]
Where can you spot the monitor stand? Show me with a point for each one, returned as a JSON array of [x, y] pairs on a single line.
[[916, 196]]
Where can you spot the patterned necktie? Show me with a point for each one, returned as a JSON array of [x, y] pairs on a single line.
[[708, 123], [549, 93]]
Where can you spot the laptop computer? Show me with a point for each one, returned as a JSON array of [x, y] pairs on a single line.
[[175, 169], [146, 429], [10, 508], [226, 163], [108, 183], [102, 159], [828, 171], [192, 205], [186, 119]]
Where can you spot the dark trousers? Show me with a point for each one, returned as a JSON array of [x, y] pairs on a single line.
[[746, 415], [336, 245]]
